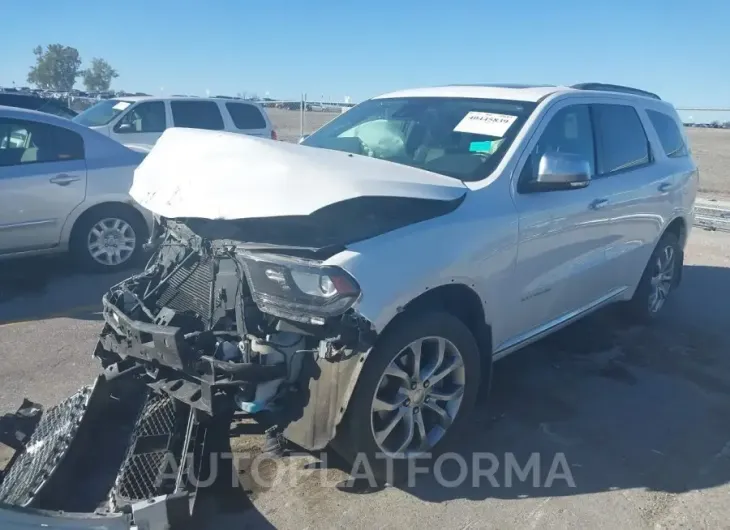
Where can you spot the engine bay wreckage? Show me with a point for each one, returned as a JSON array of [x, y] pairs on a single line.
[[240, 310]]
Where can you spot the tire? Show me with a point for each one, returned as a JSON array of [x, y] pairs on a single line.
[[359, 445], [121, 223], [642, 308]]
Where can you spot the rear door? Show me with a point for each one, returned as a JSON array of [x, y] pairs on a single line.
[[248, 119], [203, 114], [42, 179], [642, 186]]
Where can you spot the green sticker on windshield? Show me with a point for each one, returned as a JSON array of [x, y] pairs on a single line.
[[480, 147]]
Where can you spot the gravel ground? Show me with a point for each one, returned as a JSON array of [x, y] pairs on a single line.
[[639, 414], [711, 147]]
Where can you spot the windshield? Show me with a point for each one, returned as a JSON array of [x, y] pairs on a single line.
[[457, 137], [102, 113]]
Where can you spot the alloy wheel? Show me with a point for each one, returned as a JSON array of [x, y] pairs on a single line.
[[662, 279], [418, 397]]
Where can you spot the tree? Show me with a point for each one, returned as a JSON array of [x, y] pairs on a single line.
[[56, 68], [99, 77]]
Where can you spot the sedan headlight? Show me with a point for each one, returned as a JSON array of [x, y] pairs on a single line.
[[298, 289]]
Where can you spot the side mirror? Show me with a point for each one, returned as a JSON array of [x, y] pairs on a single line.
[[559, 172], [124, 128]]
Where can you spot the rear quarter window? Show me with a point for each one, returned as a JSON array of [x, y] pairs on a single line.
[[246, 116], [669, 134]]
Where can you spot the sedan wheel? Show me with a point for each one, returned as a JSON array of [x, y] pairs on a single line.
[[108, 238], [111, 242]]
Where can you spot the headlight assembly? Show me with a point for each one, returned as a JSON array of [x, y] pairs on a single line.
[[298, 289]]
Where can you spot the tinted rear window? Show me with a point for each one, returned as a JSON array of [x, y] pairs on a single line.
[[197, 115], [669, 134], [621, 140], [246, 116]]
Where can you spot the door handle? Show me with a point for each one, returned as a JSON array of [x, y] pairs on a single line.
[[598, 204], [64, 180], [664, 187]]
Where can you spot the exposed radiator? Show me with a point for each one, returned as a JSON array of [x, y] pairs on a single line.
[[188, 290]]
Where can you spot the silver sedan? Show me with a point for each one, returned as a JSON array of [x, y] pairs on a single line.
[[64, 187]]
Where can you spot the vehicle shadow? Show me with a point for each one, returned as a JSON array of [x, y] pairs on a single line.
[[49, 287], [599, 406]]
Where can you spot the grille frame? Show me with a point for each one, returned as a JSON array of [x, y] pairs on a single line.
[[153, 443], [46, 450]]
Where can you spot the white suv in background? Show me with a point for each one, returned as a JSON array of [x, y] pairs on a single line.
[[141, 120]]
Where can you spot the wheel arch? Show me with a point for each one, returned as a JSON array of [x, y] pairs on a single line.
[[342, 376], [93, 209], [678, 227], [457, 299]]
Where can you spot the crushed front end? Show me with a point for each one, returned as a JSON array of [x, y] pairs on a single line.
[[224, 325]]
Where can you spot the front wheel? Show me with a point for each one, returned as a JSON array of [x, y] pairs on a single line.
[[415, 392], [659, 278]]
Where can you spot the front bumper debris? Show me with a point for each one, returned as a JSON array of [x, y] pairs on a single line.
[[193, 379], [102, 459]]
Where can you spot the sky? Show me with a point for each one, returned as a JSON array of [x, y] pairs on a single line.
[[678, 49]]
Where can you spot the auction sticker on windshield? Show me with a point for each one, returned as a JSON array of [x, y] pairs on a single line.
[[121, 105], [485, 123]]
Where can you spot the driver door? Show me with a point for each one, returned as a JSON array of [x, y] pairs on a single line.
[[143, 123], [561, 259]]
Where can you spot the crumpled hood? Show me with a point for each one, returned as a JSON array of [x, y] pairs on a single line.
[[220, 175]]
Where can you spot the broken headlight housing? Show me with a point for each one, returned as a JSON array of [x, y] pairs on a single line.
[[298, 289]]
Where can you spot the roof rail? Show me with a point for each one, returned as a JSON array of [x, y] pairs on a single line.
[[502, 85], [615, 88]]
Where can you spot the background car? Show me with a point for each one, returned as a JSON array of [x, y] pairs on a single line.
[[66, 187], [35, 102], [142, 120]]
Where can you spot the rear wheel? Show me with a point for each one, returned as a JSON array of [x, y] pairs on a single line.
[[108, 238], [414, 394], [659, 278]]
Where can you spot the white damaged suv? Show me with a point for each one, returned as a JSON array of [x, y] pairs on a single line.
[[359, 286]]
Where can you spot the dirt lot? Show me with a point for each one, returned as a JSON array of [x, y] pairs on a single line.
[[711, 147], [288, 123], [639, 414]]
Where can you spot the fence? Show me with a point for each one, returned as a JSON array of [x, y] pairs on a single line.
[[292, 119], [717, 116]]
